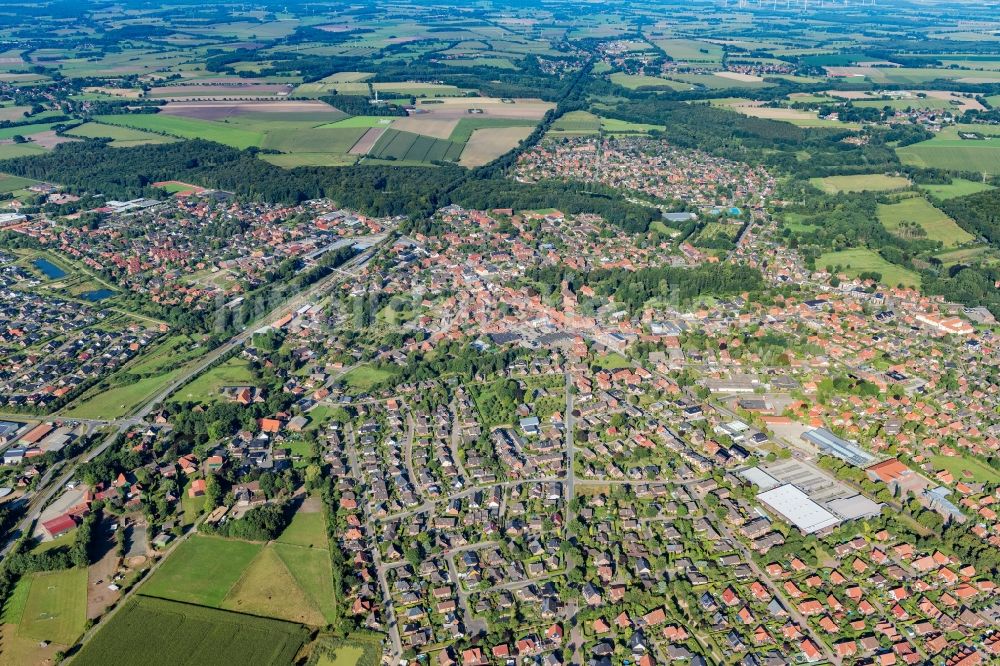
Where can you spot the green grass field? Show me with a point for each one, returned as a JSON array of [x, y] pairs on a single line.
[[118, 401], [859, 260], [966, 255], [292, 160], [313, 140], [714, 82], [861, 183], [343, 655], [307, 529], [11, 150], [202, 570], [903, 104], [947, 150], [691, 50], [615, 126], [157, 632], [268, 589], [359, 121], [13, 183], [642, 81], [466, 126], [938, 226], [966, 469], [205, 387], [579, 123], [55, 608], [121, 137], [365, 377], [959, 187], [189, 128], [312, 570]]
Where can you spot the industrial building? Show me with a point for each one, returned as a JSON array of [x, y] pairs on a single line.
[[832, 445]]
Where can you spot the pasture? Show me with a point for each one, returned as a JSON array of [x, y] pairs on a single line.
[[121, 137], [307, 529], [206, 387], [186, 634], [967, 469], [576, 123], [202, 570], [855, 261], [959, 187], [868, 182], [10, 183], [188, 128], [268, 589], [936, 224], [691, 50], [646, 82], [312, 571], [113, 402], [365, 377]]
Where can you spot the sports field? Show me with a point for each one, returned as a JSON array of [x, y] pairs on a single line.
[[50, 606], [157, 632], [855, 261], [936, 224], [871, 182]]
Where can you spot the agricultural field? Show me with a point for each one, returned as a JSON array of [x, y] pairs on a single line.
[[187, 634], [188, 128], [869, 182], [797, 117], [855, 261], [615, 126], [202, 570], [487, 144], [407, 147], [937, 225], [948, 150]]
